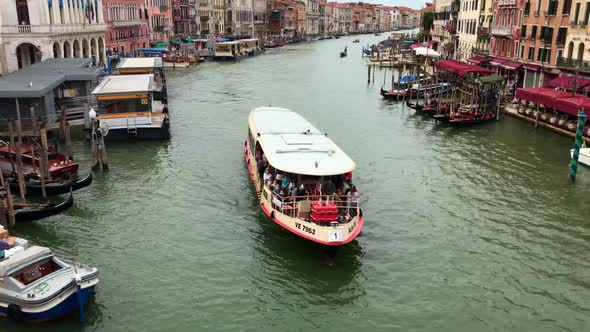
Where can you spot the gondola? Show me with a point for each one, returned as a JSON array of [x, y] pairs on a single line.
[[52, 188], [28, 213], [343, 54], [466, 119], [356, 41], [392, 94], [415, 106]]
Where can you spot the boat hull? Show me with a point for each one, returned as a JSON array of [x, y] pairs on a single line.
[[584, 157], [52, 188], [59, 307], [27, 214], [147, 133]]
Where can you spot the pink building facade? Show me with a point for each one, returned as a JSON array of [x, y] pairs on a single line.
[[159, 19], [127, 26]]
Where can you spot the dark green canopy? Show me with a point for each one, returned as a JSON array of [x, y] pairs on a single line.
[[188, 40], [159, 44], [175, 41], [491, 79]]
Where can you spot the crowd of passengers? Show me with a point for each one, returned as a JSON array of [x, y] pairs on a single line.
[[337, 188]]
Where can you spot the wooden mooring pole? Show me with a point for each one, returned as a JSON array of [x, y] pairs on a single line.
[[19, 163], [11, 221]]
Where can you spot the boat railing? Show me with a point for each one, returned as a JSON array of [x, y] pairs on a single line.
[[347, 206]]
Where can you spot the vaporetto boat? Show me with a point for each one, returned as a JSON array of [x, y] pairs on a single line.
[[301, 177]]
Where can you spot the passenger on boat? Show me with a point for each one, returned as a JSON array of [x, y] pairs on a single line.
[[353, 200], [301, 191]]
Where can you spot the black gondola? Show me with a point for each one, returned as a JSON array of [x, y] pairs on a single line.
[[342, 54], [52, 188], [30, 213]]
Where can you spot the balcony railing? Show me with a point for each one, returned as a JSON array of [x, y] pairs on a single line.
[[126, 23], [58, 29], [573, 64], [502, 31], [506, 2]]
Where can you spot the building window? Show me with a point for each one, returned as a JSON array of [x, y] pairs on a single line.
[[576, 13], [523, 31], [567, 6], [534, 32], [522, 51], [586, 14]]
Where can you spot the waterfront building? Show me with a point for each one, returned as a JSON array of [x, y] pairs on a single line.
[[218, 24], [205, 20], [312, 14], [260, 18], [344, 17], [505, 29], [127, 27], [282, 19], [543, 37], [468, 24], [239, 19], [300, 18], [444, 27], [183, 14], [31, 31], [576, 55], [159, 19], [483, 41], [327, 22]]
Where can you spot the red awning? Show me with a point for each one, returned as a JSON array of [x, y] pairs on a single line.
[[413, 46], [461, 68], [432, 42], [511, 65], [497, 61], [562, 101], [570, 82], [531, 67], [478, 59]]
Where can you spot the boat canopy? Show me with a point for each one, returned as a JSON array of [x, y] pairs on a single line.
[[292, 144], [160, 43], [138, 63], [461, 68], [491, 79], [565, 102], [124, 84], [23, 257], [152, 50]]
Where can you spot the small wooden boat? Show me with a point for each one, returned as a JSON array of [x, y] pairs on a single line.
[[342, 54], [458, 118], [175, 64], [59, 165], [37, 286], [356, 41], [31, 212], [52, 187], [377, 34], [407, 80]]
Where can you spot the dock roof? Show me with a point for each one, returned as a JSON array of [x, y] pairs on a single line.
[[39, 79], [294, 145], [114, 85], [137, 63]]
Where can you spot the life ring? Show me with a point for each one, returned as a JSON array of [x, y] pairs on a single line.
[[14, 312]]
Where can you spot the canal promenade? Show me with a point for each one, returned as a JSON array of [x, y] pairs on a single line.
[[467, 229]]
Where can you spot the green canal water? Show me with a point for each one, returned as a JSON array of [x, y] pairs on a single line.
[[467, 229]]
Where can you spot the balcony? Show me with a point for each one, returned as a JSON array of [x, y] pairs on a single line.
[[573, 64], [126, 23], [506, 2], [204, 18], [502, 31], [58, 29], [480, 51]]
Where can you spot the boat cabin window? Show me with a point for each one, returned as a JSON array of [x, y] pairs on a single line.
[[36, 271], [124, 105]]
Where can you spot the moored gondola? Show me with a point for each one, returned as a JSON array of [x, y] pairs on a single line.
[[31, 212], [52, 188]]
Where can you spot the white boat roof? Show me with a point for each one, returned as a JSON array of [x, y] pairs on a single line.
[[23, 257], [228, 42], [292, 144], [120, 84], [136, 63]]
